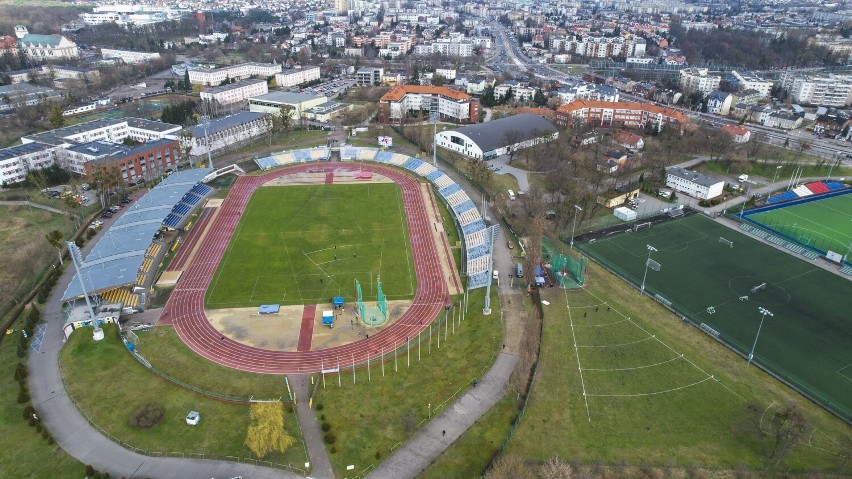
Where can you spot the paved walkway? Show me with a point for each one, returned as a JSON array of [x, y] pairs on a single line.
[[320, 464], [521, 175], [424, 447], [81, 440]]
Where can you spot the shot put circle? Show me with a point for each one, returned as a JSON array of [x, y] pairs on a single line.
[[771, 295]]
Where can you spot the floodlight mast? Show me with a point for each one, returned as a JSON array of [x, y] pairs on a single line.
[[651, 249], [574, 226], [763, 314], [77, 259]]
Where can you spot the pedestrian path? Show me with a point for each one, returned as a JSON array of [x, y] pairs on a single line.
[[320, 464]]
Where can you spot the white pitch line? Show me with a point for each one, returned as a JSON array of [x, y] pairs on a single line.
[[577, 353], [613, 345], [637, 367], [655, 392]]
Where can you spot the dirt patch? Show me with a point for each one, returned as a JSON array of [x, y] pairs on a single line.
[[169, 278]]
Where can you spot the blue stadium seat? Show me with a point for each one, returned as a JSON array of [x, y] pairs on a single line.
[[412, 164], [302, 155], [449, 190], [464, 206], [473, 227], [477, 251], [384, 156], [266, 163], [478, 280], [433, 177], [833, 185]]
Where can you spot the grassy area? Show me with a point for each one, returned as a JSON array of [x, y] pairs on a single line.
[[468, 456], [768, 169], [166, 352], [806, 342], [109, 385], [25, 453], [280, 141], [707, 405], [825, 224], [25, 250], [569, 68], [371, 417], [314, 244]]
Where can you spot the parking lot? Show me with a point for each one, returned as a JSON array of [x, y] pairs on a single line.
[[330, 89]]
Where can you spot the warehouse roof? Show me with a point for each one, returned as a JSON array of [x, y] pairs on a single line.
[[496, 134]]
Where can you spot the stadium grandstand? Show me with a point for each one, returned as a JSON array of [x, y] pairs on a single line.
[[808, 189], [121, 266], [477, 245]]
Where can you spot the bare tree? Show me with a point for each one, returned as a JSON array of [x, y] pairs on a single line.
[[509, 467], [786, 426], [555, 469], [512, 138]]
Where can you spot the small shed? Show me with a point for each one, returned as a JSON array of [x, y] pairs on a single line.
[[337, 301], [624, 214]]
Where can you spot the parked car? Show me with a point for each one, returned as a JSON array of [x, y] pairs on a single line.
[[106, 214]]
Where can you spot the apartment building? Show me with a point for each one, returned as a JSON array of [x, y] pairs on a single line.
[[107, 130], [129, 56], [17, 161], [297, 76], [699, 80], [625, 114], [746, 80], [235, 92], [446, 48], [230, 131], [134, 163], [448, 103], [823, 90], [216, 76], [368, 76]]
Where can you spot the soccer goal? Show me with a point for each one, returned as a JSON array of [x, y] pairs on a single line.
[[725, 242], [758, 287], [640, 226], [676, 213]]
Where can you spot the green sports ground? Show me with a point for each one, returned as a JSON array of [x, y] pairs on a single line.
[[808, 341], [303, 244], [824, 224]]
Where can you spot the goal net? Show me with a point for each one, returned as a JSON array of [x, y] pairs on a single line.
[[640, 226], [567, 271], [725, 242]]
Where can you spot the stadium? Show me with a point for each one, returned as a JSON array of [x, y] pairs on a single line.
[[300, 268]]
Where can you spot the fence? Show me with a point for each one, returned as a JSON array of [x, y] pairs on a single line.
[[174, 454]]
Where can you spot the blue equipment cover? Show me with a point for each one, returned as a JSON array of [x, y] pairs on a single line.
[[337, 301], [269, 308]]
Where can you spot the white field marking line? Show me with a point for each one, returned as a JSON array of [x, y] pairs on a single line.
[[669, 348], [616, 345], [251, 296], [843, 375], [638, 367], [796, 276], [818, 225], [601, 325], [292, 271], [655, 393], [330, 277], [590, 306], [577, 353], [760, 423]]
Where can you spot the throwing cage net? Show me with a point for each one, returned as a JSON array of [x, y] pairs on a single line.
[[372, 315], [568, 272]]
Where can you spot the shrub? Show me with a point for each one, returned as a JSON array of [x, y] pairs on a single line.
[[90, 471], [322, 417], [20, 373], [91, 233], [147, 416], [27, 412], [378, 455], [333, 450], [319, 406], [23, 396], [329, 438], [325, 427], [41, 296]]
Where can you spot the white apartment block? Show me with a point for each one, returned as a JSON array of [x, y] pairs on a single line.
[[448, 73], [699, 80], [747, 80], [235, 92], [600, 47], [216, 76], [128, 56], [17, 161], [446, 48], [107, 130], [520, 92], [225, 132], [693, 183], [824, 90]]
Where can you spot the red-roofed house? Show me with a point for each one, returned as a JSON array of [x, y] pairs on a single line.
[[739, 133], [629, 140]]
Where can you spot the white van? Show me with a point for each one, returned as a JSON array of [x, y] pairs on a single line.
[[511, 195]]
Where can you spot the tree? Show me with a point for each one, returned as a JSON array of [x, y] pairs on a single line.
[[186, 86], [266, 432], [555, 469], [509, 467], [285, 118], [438, 80], [787, 426], [55, 117], [512, 138], [539, 99], [55, 238]]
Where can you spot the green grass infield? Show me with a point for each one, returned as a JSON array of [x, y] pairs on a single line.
[[304, 244]]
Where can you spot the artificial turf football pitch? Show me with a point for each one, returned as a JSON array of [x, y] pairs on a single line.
[[304, 244], [824, 224], [808, 341]]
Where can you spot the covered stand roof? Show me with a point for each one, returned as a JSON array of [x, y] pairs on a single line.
[[117, 256]]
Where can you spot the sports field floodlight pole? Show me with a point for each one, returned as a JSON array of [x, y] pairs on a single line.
[[777, 169], [205, 120], [763, 313], [77, 259], [576, 209], [651, 249], [434, 117]]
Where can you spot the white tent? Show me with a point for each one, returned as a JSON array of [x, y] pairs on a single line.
[[624, 214]]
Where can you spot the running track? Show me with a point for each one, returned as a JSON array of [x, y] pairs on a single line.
[[185, 307]]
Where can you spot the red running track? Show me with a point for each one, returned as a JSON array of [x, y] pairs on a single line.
[[184, 253], [185, 307], [306, 332]]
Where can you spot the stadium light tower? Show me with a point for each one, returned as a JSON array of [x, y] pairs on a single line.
[[763, 313], [777, 169], [434, 116], [576, 209], [651, 249], [205, 121], [77, 259]]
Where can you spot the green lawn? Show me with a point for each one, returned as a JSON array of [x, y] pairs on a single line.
[[304, 244], [167, 353], [370, 417], [807, 341], [468, 456], [825, 224], [25, 454], [109, 385], [449, 228], [657, 390]]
